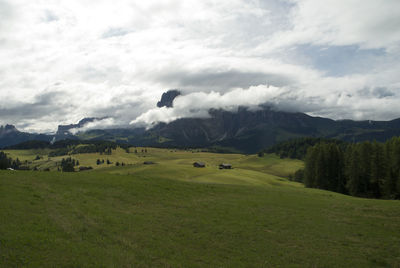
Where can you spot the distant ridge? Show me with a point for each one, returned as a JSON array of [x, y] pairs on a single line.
[[65, 129], [244, 130], [10, 135]]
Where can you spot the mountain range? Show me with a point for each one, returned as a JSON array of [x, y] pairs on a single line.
[[244, 130]]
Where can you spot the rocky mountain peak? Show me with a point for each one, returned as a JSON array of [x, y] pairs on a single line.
[[64, 129], [7, 129], [167, 98]]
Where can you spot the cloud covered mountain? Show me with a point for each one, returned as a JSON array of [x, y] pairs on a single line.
[[244, 130], [334, 58], [208, 122], [10, 135]]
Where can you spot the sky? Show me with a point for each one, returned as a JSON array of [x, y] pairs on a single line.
[[63, 60]]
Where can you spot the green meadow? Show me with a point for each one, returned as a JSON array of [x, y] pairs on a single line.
[[170, 214]]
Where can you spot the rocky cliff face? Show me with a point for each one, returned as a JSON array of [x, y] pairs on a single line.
[[250, 131], [245, 130], [64, 129], [167, 98], [7, 129], [10, 135]]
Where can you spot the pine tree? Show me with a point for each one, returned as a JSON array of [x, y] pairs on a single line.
[[310, 167], [391, 180], [352, 170], [378, 169]]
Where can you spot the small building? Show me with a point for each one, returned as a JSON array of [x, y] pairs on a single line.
[[225, 166], [84, 168], [199, 164]]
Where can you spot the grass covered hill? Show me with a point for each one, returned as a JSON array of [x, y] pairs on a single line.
[[170, 214]]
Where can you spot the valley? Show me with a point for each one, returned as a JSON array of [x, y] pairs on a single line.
[[170, 213]]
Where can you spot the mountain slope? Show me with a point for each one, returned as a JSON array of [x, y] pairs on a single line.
[[245, 130], [9, 135], [250, 131]]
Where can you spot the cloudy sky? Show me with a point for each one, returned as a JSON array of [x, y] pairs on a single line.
[[62, 60]]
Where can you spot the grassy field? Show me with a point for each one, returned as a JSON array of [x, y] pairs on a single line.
[[175, 164], [173, 215]]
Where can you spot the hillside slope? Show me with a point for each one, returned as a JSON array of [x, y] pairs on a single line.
[[147, 220]]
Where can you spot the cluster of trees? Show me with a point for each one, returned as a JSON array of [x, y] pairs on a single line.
[[368, 169], [65, 147], [59, 152], [28, 145], [8, 162], [99, 162], [297, 148], [68, 164], [136, 151]]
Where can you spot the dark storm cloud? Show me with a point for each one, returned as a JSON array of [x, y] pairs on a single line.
[[335, 58], [43, 105], [377, 92], [123, 111], [225, 80], [340, 60], [382, 92]]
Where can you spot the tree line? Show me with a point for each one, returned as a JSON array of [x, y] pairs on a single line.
[[297, 148], [68, 164], [68, 146], [367, 169], [8, 162]]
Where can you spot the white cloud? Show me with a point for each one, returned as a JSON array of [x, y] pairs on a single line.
[[197, 104], [102, 123], [369, 24], [115, 58]]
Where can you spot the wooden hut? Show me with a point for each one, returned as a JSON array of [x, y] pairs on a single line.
[[199, 164], [225, 166]]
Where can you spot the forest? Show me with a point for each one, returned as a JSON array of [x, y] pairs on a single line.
[[8, 162], [297, 148], [367, 169]]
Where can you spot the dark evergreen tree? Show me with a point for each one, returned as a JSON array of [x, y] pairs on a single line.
[[310, 168], [363, 169], [5, 162], [67, 165], [378, 169], [353, 171]]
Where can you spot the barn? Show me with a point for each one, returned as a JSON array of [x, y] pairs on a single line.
[[199, 164], [225, 166]]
